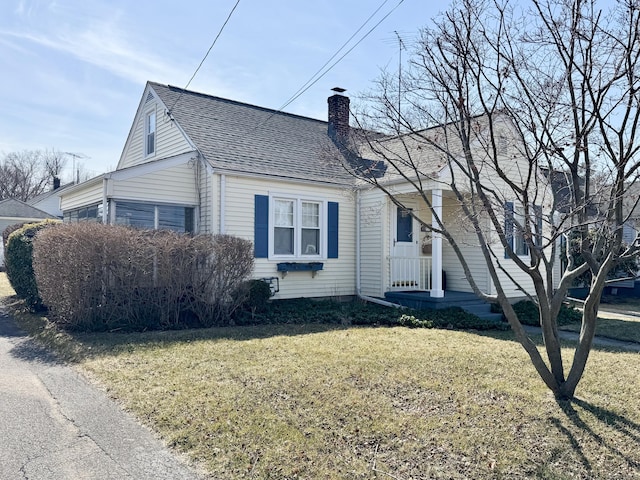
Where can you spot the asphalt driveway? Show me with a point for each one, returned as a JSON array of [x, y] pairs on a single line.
[[54, 425]]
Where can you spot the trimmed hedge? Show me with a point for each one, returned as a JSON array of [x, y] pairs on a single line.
[[96, 277], [19, 261]]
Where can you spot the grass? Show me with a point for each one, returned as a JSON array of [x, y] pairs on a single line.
[[337, 402], [621, 304], [613, 326], [612, 321]]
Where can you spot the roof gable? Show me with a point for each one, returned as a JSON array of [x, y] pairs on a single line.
[[170, 139], [14, 208]]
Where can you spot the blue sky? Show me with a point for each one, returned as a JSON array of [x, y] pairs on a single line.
[[74, 70]]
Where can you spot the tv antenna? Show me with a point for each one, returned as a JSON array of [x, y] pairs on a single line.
[[400, 48]]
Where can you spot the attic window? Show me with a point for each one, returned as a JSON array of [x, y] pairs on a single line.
[[150, 134], [149, 97], [502, 144]]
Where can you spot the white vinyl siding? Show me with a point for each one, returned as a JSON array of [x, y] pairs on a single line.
[[169, 139], [171, 185], [468, 244], [338, 274], [90, 194], [373, 222]]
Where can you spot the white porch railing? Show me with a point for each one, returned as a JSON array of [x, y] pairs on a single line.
[[409, 273]]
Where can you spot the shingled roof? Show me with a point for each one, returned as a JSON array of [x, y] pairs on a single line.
[[243, 138], [14, 208]]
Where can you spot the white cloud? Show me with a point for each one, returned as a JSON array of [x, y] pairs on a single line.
[[106, 48]]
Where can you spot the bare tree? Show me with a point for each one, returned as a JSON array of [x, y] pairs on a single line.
[[28, 173], [54, 162], [509, 99]]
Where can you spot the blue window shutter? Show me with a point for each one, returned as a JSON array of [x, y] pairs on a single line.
[[538, 214], [261, 227], [508, 226], [332, 243]]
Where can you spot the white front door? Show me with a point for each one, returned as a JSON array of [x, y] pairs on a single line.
[[405, 264]]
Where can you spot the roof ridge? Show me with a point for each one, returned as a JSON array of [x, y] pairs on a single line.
[[183, 91]]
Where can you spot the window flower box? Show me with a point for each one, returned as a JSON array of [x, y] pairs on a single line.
[[313, 267]]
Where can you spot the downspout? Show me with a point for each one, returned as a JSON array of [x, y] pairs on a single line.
[[211, 200], [105, 204], [223, 188], [358, 273], [379, 301]]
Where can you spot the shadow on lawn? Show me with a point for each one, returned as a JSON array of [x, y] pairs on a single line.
[[95, 344], [629, 429]]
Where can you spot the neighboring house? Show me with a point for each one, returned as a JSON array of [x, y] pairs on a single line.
[[14, 211], [560, 183], [50, 201], [198, 163]]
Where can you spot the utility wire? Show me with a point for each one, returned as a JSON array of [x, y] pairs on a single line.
[[315, 77], [206, 55], [334, 55], [342, 57]]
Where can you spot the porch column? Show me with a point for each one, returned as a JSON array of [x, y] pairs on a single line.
[[436, 246]]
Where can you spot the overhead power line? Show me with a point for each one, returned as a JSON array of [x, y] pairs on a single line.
[[335, 54], [313, 81], [206, 54], [320, 73]]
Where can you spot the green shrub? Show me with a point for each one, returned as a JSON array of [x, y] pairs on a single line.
[[259, 293], [304, 310], [19, 262], [528, 313], [9, 230]]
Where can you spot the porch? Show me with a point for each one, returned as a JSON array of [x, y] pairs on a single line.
[[411, 285], [422, 300]]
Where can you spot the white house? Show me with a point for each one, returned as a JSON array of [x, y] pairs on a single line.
[[50, 201], [198, 163]]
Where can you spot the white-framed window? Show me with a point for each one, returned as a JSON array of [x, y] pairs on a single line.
[[150, 134], [298, 228], [179, 218]]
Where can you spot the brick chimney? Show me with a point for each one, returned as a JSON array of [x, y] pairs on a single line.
[[338, 117], [56, 183]]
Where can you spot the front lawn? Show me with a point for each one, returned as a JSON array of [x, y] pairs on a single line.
[[326, 402]]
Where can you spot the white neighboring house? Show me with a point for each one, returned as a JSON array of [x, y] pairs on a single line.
[[14, 211], [203, 164], [50, 201]]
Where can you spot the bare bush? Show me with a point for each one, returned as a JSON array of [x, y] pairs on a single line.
[[97, 277]]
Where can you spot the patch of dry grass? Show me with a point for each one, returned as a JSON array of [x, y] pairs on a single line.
[[324, 402]]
